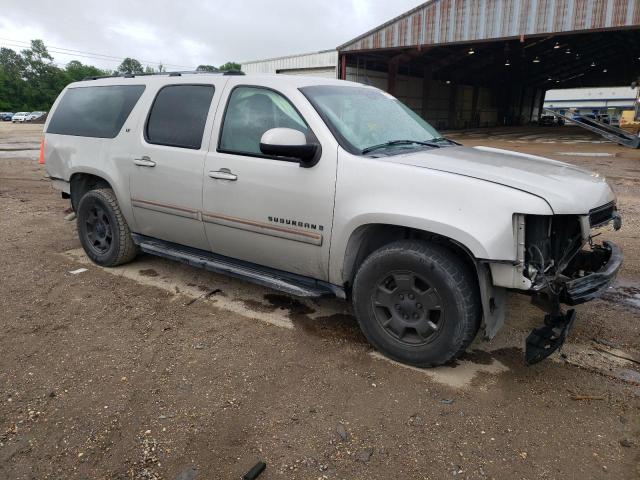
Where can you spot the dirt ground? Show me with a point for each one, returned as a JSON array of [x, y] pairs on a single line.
[[158, 371]]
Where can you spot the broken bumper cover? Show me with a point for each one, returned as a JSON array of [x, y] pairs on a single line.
[[603, 262], [586, 277]]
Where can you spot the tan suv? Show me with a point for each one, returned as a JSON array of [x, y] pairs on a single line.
[[323, 187]]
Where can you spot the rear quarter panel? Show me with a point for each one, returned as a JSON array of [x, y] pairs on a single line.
[[108, 158]]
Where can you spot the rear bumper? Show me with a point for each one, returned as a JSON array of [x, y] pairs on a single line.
[[60, 184], [603, 263]]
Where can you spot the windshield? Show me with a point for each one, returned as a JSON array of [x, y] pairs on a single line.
[[363, 117]]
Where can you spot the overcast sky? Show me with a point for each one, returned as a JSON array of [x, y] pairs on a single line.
[[184, 34]]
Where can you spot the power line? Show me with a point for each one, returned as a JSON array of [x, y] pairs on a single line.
[[22, 43], [84, 54], [63, 53], [62, 50]]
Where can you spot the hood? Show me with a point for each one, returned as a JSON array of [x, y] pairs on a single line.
[[566, 188]]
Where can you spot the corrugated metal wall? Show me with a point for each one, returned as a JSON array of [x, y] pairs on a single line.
[[318, 60], [436, 108], [447, 21]]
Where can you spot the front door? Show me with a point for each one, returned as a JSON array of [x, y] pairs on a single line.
[[265, 210], [166, 180]]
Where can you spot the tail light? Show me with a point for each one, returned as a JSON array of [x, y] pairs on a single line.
[[41, 159]]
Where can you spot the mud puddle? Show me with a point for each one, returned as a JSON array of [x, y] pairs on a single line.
[[624, 291], [28, 154], [332, 319], [323, 318], [585, 154], [458, 375]]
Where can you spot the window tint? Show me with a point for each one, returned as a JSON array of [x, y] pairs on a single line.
[[178, 115], [251, 111], [94, 111]]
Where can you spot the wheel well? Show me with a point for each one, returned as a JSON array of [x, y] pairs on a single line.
[[369, 238], [81, 183]]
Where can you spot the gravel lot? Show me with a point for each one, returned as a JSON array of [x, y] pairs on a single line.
[[158, 371]]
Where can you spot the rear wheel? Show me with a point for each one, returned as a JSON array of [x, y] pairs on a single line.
[[103, 230], [417, 303]]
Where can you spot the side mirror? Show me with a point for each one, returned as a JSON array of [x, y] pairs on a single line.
[[290, 143]]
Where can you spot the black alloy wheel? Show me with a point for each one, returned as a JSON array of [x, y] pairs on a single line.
[[408, 308]]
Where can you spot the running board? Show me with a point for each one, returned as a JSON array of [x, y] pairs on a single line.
[[268, 277], [616, 135]]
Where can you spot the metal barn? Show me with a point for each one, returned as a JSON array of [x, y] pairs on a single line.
[[473, 63], [468, 63]]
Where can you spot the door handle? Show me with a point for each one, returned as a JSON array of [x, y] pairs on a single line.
[[223, 174], [144, 162]]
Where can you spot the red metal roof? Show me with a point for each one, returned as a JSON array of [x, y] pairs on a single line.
[[440, 22]]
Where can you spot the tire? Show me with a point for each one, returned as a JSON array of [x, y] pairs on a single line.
[[417, 303], [103, 231]]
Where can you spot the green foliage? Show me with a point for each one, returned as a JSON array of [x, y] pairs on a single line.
[[76, 71], [222, 68], [229, 66], [30, 81], [206, 68], [130, 66]]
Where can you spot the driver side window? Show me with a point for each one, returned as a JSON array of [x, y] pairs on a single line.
[[251, 111]]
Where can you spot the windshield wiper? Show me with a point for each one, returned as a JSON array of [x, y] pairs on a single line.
[[398, 142], [444, 139]]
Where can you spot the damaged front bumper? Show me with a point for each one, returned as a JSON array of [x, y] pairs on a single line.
[[595, 271], [587, 277]]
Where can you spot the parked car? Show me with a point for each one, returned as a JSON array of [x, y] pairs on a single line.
[[604, 118], [321, 187], [550, 120], [34, 116], [6, 116], [20, 117]]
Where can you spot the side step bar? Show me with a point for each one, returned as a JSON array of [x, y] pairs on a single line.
[[616, 135], [268, 277]]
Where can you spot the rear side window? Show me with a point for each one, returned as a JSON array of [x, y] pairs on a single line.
[[94, 111], [178, 116]]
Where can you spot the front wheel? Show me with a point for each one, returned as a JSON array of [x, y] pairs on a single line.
[[103, 230], [417, 303]]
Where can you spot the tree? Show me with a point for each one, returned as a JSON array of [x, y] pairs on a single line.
[[76, 71], [229, 66], [130, 66], [206, 68], [38, 53], [29, 80], [43, 79], [12, 83]]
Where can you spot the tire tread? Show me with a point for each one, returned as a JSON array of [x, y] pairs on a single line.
[[457, 270], [127, 249]]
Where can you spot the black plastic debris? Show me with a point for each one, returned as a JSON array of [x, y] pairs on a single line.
[[255, 471], [543, 341]]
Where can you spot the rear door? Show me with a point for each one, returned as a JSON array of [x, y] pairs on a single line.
[[167, 170]]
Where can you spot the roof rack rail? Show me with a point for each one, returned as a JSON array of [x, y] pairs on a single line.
[[169, 74]]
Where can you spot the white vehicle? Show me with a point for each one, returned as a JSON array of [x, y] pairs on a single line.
[[34, 116], [20, 117], [324, 187]]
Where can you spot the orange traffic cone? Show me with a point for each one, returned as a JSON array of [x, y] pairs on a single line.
[[41, 159]]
